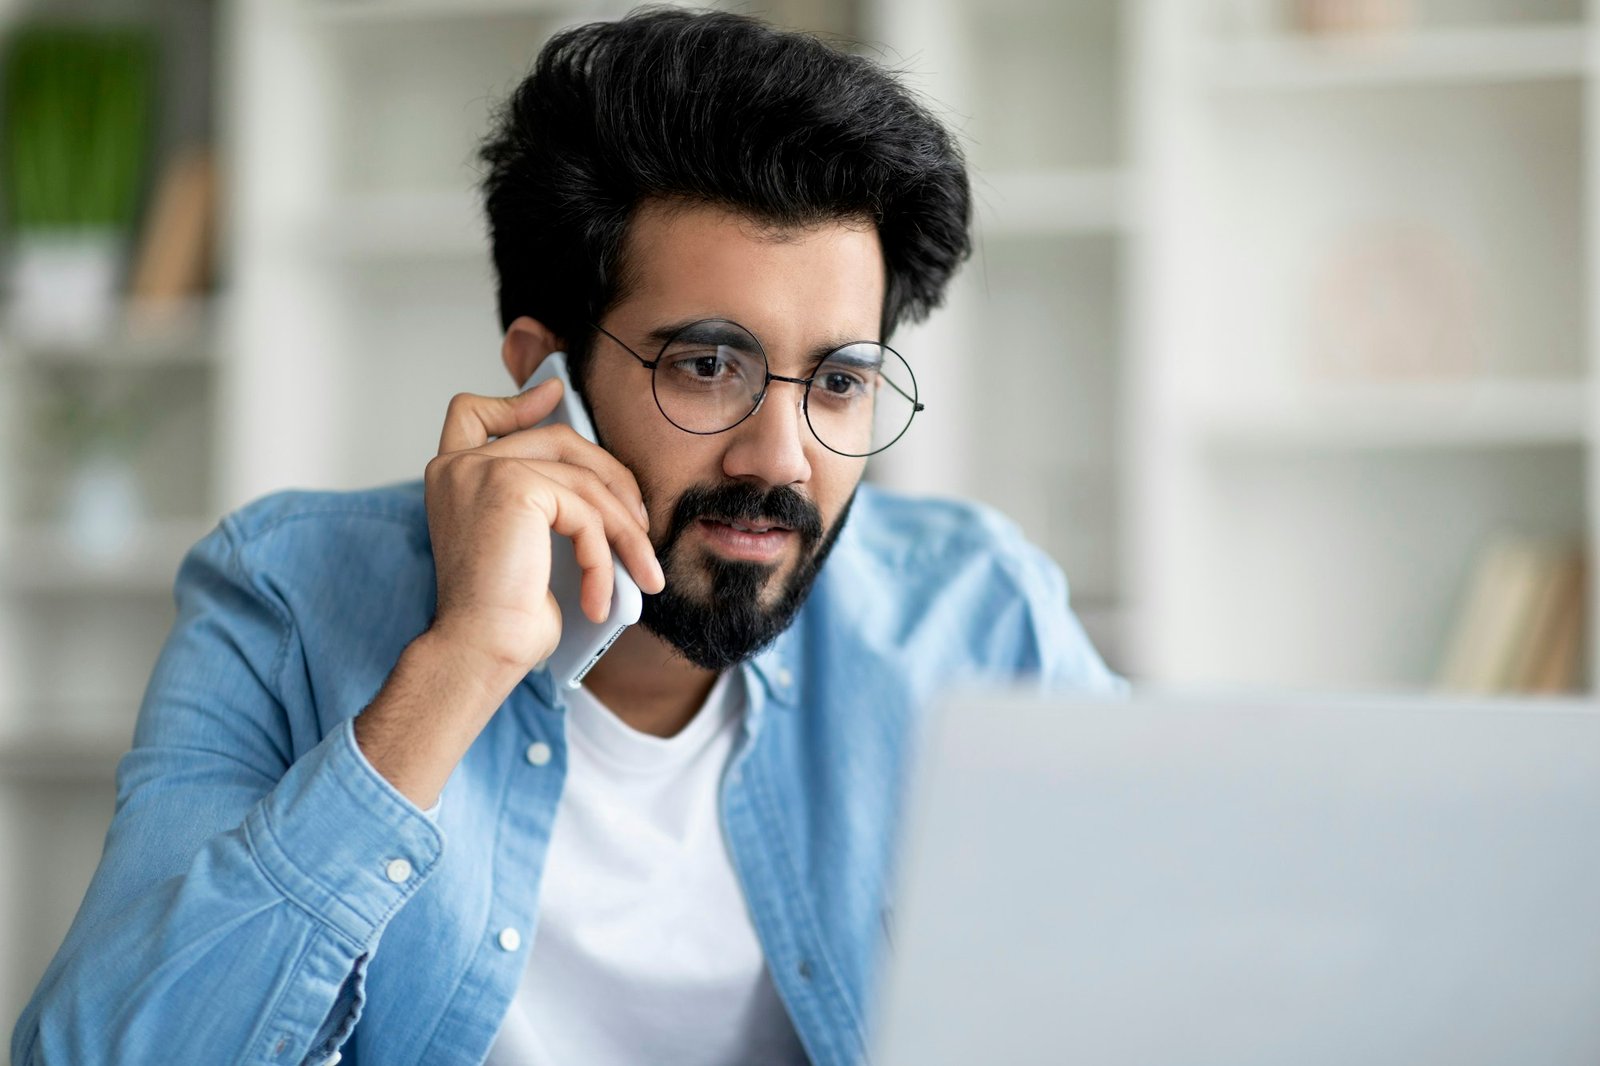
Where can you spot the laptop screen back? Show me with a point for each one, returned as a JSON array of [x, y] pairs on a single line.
[[1249, 881]]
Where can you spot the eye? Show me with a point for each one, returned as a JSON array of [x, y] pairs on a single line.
[[703, 364], [837, 382]]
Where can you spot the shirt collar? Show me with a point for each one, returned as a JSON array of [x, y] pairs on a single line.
[[773, 669], [775, 666], [543, 686]]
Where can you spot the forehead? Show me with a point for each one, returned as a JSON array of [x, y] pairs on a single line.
[[786, 284]]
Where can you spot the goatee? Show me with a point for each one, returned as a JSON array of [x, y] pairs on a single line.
[[730, 624]]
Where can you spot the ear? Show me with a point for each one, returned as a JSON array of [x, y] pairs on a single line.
[[526, 344]]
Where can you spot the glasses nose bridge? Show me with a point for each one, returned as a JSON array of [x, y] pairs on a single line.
[[803, 383]]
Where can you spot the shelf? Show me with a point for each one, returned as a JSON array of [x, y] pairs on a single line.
[[451, 225], [181, 334], [409, 226], [1405, 415], [1041, 202], [54, 756], [1465, 54], [1110, 627], [41, 560], [366, 12]]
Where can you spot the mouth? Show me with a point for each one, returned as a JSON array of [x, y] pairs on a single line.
[[750, 527], [757, 541]]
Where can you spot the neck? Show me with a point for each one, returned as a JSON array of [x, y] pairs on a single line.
[[647, 684]]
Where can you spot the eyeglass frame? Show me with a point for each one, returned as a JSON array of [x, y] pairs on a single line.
[[917, 406]]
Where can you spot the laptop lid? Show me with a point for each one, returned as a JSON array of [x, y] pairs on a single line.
[[1249, 880]]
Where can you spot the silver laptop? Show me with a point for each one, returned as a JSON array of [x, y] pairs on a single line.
[[1246, 880]]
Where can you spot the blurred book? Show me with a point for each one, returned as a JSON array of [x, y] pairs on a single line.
[[174, 256], [1520, 628], [1368, 17]]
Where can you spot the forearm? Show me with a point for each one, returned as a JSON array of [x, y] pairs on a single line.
[[434, 704], [262, 937]]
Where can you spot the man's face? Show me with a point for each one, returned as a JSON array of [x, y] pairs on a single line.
[[801, 292]]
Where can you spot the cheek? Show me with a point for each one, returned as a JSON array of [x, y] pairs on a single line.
[[835, 483], [637, 435], [664, 466]]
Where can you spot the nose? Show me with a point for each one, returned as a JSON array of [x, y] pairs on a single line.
[[770, 446]]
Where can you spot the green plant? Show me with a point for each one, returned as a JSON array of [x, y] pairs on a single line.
[[76, 120]]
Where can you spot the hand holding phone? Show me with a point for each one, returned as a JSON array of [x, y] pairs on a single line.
[[509, 492], [514, 501], [582, 640]]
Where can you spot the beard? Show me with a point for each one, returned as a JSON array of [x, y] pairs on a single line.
[[730, 622]]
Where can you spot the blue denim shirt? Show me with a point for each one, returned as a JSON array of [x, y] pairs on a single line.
[[249, 909]]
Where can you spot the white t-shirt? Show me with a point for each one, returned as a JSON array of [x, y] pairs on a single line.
[[644, 951]]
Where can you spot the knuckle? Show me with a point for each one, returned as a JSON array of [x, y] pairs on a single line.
[[625, 479], [501, 477], [448, 469]]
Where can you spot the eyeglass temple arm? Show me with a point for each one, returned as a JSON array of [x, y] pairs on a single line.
[[649, 364], [915, 406]]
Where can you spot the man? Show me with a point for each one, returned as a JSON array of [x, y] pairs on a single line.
[[358, 817]]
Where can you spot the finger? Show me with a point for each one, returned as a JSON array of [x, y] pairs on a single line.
[[564, 445], [553, 605], [471, 420], [578, 520], [631, 541]]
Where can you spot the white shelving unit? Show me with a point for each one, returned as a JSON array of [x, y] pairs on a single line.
[[1461, 414], [1023, 368], [84, 603], [1452, 54], [86, 583], [1365, 340], [1065, 202]]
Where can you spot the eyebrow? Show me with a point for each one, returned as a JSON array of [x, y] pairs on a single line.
[[725, 331], [847, 359]]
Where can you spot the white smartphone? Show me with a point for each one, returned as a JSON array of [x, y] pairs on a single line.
[[582, 641]]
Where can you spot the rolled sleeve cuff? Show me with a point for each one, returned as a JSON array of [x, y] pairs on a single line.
[[341, 841]]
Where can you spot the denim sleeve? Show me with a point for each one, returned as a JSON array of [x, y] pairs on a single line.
[[242, 890], [1066, 658]]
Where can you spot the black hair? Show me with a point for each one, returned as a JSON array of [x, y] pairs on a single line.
[[715, 108]]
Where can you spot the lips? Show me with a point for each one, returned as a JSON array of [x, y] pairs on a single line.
[[738, 521], [751, 527], [756, 542]]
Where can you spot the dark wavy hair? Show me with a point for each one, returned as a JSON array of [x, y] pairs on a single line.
[[715, 108]]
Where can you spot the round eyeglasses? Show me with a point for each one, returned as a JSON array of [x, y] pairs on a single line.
[[712, 374]]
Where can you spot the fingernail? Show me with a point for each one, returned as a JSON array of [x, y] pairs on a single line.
[[661, 576], [644, 516]]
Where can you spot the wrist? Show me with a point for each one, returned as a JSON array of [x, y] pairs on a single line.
[[436, 701], [442, 652]]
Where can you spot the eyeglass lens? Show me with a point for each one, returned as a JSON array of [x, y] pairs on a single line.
[[710, 375]]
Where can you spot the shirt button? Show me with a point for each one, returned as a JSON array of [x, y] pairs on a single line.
[[538, 753], [784, 677], [510, 939], [332, 1060], [398, 871]]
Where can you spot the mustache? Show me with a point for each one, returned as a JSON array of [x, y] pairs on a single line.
[[736, 501]]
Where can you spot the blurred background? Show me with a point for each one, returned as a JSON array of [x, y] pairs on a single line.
[[1278, 336]]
